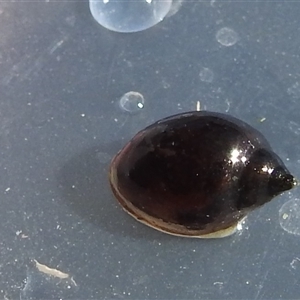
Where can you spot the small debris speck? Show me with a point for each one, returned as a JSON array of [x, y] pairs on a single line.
[[262, 120]]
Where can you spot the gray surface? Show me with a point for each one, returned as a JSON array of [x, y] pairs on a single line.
[[61, 77]]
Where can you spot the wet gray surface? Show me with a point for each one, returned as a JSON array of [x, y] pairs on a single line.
[[62, 76]]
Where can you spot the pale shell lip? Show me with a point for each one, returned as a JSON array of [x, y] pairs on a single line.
[[213, 235], [177, 230], [165, 227]]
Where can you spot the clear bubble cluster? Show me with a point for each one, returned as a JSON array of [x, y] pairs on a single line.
[[129, 15]]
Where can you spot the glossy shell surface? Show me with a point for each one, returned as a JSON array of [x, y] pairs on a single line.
[[197, 174]]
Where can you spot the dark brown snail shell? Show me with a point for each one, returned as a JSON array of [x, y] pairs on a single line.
[[197, 174]]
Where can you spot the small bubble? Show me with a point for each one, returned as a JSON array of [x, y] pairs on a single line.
[[132, 102], [227, 36], [294, 90], [206, 75], [289, 216]]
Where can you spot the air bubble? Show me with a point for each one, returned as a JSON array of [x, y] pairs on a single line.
[[206, 75], [128, 15], [132, 102], [289, 216], [227, 36]]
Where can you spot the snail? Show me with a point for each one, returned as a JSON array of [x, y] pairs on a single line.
[[197, 174]]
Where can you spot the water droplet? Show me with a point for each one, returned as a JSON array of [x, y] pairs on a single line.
[[206, 75], [175, 7], [132, 102], [127, 15], [289, 216], [227, 36]]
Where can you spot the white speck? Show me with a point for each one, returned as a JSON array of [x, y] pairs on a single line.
[[116, 120], [227, 36], [294, 90], [285, 216], [83, 115], [73, 186], [239, 226], [7, 189], [262, 120], [140, 105], [243, 159]]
